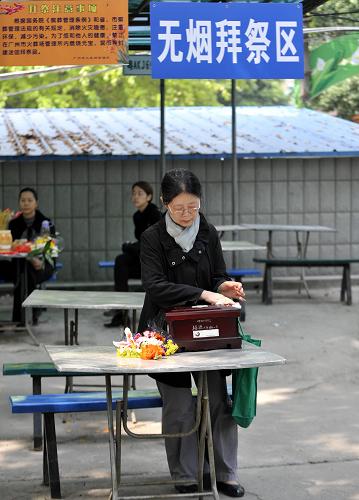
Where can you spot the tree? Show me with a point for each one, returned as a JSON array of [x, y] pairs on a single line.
[[112, 89], [341, 99]]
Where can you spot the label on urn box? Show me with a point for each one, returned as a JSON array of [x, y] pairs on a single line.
[[213, 332]]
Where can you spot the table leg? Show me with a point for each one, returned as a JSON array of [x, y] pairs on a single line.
[[36, 389], [76, 332], [133, 383], [267, 291], [66, 326], [208, 425], [69, 380], [202, 424], [202, 440], [23, 286], [302, 253], [119, 409], [74, 329], [52, 460], [305, 247], [270, 245], [21, 281], [346, 288], [28, 327], [111, 435]]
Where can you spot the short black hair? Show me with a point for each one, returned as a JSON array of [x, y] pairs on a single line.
[[31, 190], [177, 181], [148, 189]]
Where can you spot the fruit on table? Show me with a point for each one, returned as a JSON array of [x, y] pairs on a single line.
[[21, 246]]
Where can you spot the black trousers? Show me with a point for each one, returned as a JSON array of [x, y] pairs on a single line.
[[14, 271], [127, 265]]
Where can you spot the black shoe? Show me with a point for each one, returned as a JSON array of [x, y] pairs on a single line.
[[116, 321], [230, 490], [186, 488]]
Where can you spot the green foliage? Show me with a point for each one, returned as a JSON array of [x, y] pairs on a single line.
[[111, 89], [332, 14], [341, 99], [261, 93]]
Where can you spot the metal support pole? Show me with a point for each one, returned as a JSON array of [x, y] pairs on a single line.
[[235, 194], [112, 439], [235, 200], [162, 140]]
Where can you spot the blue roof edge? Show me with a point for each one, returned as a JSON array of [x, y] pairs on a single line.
[[225, 156]]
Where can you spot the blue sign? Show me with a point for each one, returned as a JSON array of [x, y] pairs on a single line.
[[226, 40]]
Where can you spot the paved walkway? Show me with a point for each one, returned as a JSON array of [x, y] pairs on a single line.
[[303, 444]]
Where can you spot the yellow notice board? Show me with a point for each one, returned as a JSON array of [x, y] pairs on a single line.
[[48, 33]]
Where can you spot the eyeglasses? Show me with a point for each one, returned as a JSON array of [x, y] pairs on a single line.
[[181, 211], [138, 194]]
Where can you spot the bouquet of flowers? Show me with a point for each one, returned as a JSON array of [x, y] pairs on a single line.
[[47, 248], [146, 345]]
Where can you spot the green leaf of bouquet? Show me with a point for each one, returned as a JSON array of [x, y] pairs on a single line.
[[49, 259], [47, 247], [34, 253]]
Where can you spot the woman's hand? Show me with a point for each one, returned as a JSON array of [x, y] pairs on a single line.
[[232, 289], [216, 299], [36, 263]]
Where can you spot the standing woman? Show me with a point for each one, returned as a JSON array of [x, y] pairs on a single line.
[[28, 225], [182, 264], [127, 264]]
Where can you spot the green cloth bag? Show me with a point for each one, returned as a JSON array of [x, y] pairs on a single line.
[[244, 389]]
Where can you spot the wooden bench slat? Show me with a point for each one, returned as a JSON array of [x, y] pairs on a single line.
[[106, 263], [244, 271], [38, 369], [28, 369], [306, 262], [81, 402], [85, 401]]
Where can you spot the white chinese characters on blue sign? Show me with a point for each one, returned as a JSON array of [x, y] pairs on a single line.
[[226, 40]]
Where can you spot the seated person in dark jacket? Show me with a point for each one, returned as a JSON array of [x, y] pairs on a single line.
[[127, 265], [27, 225]]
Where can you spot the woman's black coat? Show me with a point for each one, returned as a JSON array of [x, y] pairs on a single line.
[[172, 277], [142, 221], [19, 229], [18, 226], [145, 219]]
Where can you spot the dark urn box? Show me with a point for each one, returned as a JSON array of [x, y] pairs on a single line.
[[201, 328]]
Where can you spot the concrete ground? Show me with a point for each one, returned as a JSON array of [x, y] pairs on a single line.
[[303, 444]]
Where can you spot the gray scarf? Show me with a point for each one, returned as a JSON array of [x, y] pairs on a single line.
[[184, 237]]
